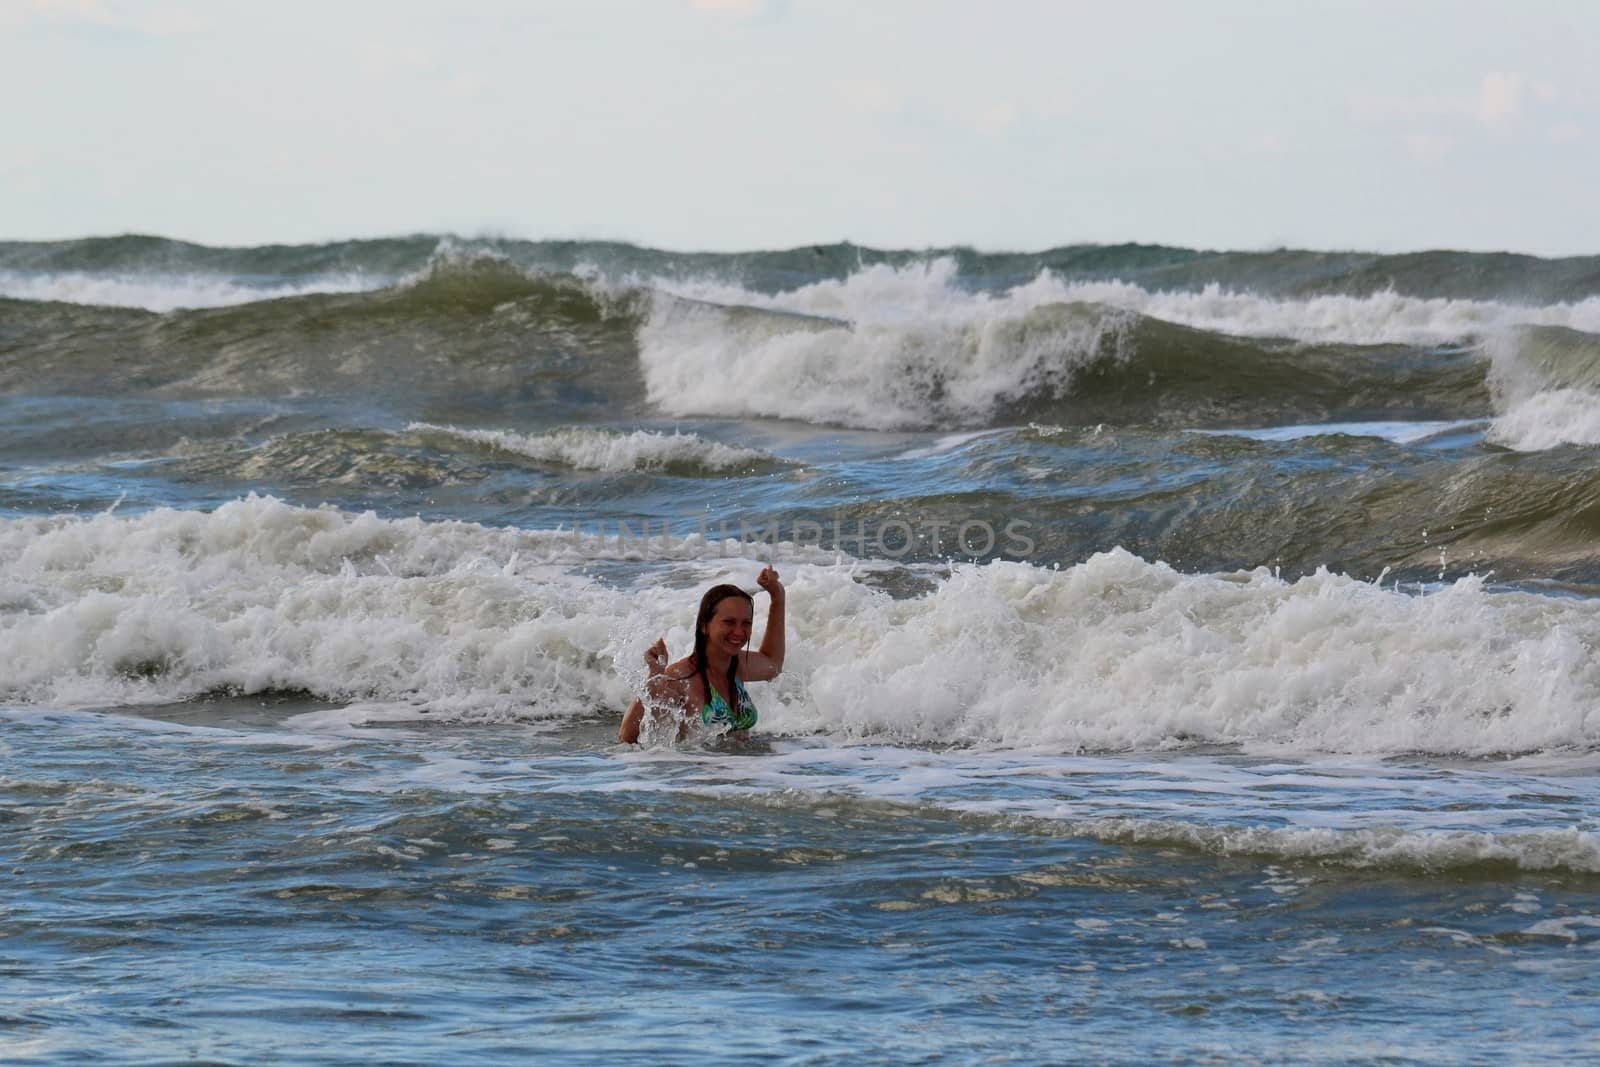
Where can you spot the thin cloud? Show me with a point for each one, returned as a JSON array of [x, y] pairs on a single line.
[[378, 59], [1265, 144], [738, 9], [868, 96], [83, 10], [1497, 103], [1429, 147], [1001, 116], [19, 158], [1499, 99], [159, 20], [1384, 109]]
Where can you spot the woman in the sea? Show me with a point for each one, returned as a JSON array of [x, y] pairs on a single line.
[[708, 684]]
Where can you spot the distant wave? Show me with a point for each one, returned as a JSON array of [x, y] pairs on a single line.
[[914, 347], [1448, 275], [428, 456], [595, 449], [937, 287], [367, 458], [156, 292], [890, 345], [910, 348], [464, 327]]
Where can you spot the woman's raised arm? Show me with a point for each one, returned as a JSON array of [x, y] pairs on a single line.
[[767, 661]]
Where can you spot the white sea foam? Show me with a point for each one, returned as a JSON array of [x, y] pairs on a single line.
[[1378, 319], [1538, 410], [1117, 653], [169, 292], [889, 348], [1544, 420], [588, 448], [1111, 654]]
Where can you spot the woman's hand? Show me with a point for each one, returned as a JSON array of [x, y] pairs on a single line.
[[655, 657], [768, 580]]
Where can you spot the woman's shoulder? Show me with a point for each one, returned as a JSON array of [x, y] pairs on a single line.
[[681, 670], [680, 681]]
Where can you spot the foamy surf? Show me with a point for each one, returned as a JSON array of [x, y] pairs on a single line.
[[1113, 654]]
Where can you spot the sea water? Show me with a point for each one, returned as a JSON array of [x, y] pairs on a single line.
[[1191, 656]]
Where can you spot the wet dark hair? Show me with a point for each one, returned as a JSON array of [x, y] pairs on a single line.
[[708, 607]]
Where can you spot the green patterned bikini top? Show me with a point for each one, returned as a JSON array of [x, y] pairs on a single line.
[[716, 711]]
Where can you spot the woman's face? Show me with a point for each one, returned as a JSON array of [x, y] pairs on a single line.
[[729, 628]]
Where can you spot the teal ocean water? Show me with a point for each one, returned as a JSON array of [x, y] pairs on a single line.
[[1192, 655]]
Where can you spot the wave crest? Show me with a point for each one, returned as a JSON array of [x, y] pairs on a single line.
[[899, 348], [613, 451]]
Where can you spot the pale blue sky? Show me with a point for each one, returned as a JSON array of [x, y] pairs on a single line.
[[736, 124]]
